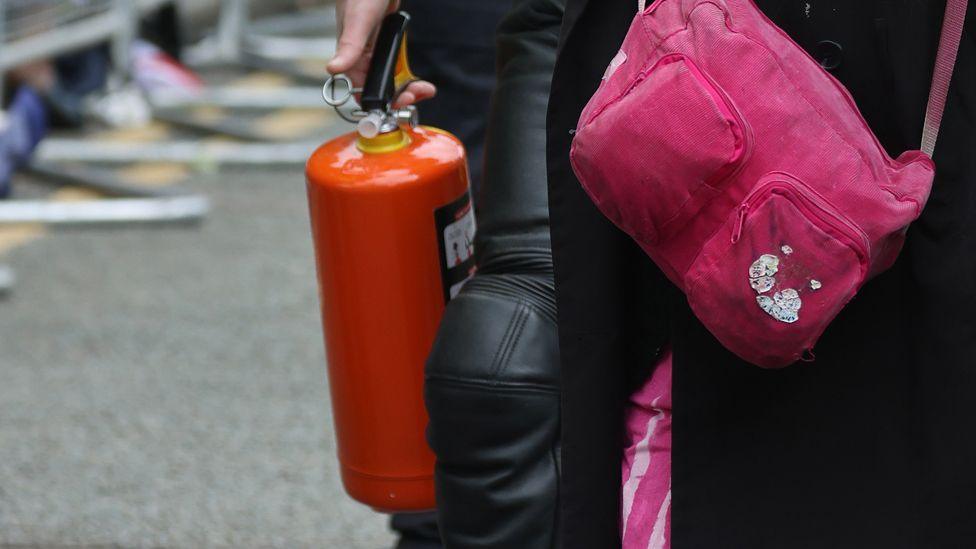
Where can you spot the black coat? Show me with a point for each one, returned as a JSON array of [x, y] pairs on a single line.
[[874, 443]]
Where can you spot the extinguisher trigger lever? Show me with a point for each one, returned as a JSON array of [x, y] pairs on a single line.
[[402, 75], [387, 77]]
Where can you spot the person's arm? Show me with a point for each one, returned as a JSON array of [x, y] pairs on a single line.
[[357, 22]]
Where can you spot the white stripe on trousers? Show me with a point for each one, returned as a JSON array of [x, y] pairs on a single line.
[[658, 535], [642, 460]]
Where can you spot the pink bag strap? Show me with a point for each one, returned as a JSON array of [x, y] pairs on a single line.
[[945, 61]]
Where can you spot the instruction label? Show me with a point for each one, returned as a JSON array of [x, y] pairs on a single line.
[[455, 234]]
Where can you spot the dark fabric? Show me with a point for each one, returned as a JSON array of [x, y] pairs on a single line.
[[492, 376], [79, 74], [491, 392], [604, 283], [868, 446], [162, 27], [451, 44], [513, 215], [416, 530]]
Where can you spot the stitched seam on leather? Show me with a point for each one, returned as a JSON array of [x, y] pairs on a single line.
[[494, 292], [517, 330], [502, 386], [527, 260], [503, 345]]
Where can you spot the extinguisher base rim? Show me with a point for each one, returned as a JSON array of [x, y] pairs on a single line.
[[390, 493]]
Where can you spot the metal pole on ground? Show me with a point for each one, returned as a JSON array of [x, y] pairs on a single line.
[[128, 205]]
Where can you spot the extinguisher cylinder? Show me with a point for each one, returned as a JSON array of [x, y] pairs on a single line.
[[387, 216]]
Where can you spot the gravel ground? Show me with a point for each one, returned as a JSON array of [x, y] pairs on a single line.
[[166, 386]]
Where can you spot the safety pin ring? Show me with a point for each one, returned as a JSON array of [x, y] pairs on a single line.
[[337, 97]]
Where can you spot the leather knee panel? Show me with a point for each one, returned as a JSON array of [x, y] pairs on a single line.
[[493, 400], [491, 390]]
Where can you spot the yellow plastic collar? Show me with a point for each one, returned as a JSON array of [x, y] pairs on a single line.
[[384, 142]]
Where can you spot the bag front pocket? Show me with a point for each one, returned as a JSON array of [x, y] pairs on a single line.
[[769, 282], [657, 154]]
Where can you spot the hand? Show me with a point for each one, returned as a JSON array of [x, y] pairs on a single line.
[[358, 21]]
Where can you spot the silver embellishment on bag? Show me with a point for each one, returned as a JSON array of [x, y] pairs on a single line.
[[784, 306], [815, 285], [762, 284], [761, 273], [766, 265], [788, 299]]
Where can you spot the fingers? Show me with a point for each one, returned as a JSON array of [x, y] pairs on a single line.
[[358, 22], [415, 92]]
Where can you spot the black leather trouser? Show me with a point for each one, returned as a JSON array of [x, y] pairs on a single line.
[[494, 405], [451, 44], [492, 376]]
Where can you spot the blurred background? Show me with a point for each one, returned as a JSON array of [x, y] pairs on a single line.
[[162, 379]]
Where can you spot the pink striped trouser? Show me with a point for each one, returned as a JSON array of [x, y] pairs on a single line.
[[646, 505]]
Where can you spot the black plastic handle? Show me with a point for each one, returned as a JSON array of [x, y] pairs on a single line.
[[380, 85]]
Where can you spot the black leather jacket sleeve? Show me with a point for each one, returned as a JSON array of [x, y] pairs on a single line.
[[513, 206], [492, 376]]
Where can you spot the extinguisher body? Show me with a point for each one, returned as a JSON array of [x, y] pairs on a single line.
[[383, 212]]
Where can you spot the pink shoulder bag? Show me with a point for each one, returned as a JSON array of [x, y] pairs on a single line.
[[748, 174]]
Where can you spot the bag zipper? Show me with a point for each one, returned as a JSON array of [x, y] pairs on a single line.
[[721, 99], [816, 208], [713, 90]]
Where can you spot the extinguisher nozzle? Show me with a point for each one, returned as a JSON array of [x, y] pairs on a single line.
[[370, 125]]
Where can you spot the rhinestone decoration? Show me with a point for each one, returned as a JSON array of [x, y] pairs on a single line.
[[788, 299], [786, 249], [761, 273], [815, 285], [766, 265], [762, 284], [783, 306]]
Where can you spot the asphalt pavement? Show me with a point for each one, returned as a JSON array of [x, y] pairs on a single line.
[[165, 387]]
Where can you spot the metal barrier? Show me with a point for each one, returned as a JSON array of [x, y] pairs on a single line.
[[131, 204], [277, 44], [38, 29], [32, 30], [187, 151], [7, 279], [273, 43]]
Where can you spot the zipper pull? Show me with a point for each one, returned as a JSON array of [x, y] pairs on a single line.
[[739, 222]]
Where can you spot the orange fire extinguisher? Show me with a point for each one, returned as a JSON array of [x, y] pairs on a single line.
[[392, 224]]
